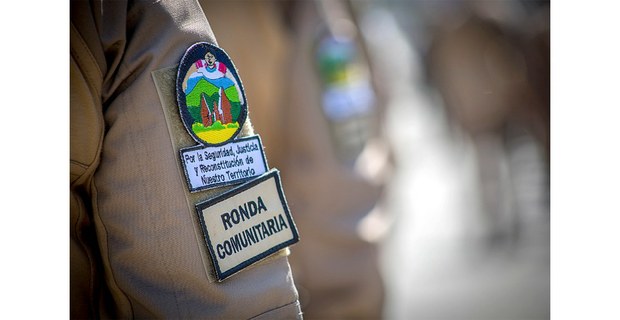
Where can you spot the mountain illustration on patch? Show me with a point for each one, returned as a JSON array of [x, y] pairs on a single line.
[[212, 108]]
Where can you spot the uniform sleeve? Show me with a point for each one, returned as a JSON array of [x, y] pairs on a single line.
[[136, 251]]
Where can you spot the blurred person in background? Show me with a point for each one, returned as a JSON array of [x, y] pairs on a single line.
[[471, 80], [493, 75], [309, 81]]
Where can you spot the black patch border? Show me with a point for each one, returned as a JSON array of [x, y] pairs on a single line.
[[191, 55], [275, 174], [221, 184]]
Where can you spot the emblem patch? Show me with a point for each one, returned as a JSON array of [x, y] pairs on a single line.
[[349, 101], [247, 224], [210, 95]]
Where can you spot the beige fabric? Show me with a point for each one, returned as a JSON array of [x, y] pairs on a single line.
[[135, 248], [335, 269]]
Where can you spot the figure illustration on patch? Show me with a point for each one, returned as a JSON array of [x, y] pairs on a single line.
[[211, 98]]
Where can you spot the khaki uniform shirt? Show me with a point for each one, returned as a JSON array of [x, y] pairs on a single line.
[[136, 247]]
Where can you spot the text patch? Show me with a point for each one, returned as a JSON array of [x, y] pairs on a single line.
[[235, 162], [247, 224]]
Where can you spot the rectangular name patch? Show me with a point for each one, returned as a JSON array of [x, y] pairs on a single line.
[[247, 224], [234, 162]]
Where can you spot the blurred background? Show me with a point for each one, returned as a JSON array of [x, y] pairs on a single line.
[[413, 140], [471, 196]]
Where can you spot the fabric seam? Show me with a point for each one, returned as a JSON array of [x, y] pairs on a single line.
[[107, 237], [274, 309], [88, 56]]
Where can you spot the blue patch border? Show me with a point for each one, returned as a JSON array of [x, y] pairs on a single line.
[[221, 184], [272, 174]]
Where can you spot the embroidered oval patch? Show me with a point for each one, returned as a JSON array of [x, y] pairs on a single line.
[[210, 95]]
